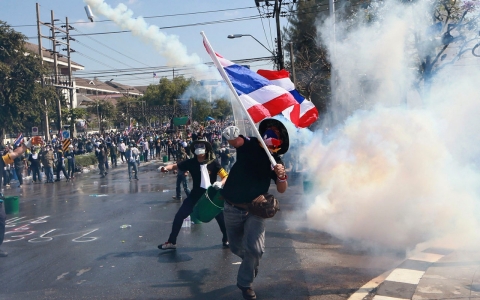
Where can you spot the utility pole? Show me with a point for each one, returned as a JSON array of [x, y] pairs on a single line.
[[276, 12], [45, 119], [59, 84], [55, 80], [70, 82], [293, 65]]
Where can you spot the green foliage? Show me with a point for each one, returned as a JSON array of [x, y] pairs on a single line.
[[21, 94], [201, 110], [106, 111], [223, 108], [166, 91], [86, 160]]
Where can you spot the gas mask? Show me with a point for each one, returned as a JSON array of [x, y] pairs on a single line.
[[200, 151]]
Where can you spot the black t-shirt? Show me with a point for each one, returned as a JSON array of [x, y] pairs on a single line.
[[251, 175], [193, 166]]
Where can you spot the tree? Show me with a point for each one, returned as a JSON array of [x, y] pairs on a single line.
[[201, 110], [452, 34], [166, 91], [310, 58], [21, 94], [223, 108], [105, 112]]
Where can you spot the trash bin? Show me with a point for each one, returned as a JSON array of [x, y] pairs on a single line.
[[165, 159], [141, 157], [12, 205]]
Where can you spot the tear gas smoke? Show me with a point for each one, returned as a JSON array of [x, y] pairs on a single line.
[[395, 171], [169, 46]]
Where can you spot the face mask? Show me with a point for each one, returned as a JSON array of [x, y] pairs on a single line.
[[200, 151]]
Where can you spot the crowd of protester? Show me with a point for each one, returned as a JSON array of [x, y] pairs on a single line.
[[47, 163]]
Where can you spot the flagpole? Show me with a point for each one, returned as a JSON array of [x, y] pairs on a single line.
[[230, 85]]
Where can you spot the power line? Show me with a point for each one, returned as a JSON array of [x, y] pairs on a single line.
[[113, 49], [160, 16], [175, 26]]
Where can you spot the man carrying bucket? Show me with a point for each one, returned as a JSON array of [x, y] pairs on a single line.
[[250, 177], [8, 159], [203, 168]]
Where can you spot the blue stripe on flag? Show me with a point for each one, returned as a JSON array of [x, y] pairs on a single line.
[[244, 80], [297, 96]]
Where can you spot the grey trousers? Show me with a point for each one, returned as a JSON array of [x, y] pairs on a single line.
[[246, 235]]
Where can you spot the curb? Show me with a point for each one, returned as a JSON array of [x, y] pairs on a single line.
[[401, 282]]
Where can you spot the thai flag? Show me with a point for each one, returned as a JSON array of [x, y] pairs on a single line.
[[19, 139], [140, 139], [308, 112], [260, 98], [129, 128]]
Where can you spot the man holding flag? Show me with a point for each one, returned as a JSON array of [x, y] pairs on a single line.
[[258, 161]]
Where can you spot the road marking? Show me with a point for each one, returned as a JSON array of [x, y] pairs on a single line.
[[62, 275], [387, 298], [368, 287], [428, 257], [83, 271], [405, 276]]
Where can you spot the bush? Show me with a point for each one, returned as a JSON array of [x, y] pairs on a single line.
[[86, 160]]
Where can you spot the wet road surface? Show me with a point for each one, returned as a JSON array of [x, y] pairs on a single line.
[[67, 243]]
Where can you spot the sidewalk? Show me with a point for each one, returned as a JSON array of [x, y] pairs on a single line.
[[434, 273]]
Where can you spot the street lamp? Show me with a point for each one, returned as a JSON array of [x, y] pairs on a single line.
[[234, 36]]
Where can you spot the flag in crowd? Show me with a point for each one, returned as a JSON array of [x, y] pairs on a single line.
[[129, 128], [308, 112], [18, 140], [259, 96]]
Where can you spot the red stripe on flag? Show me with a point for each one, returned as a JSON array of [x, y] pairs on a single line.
[[295, 115], [280, 103], [274, 75], [308, 118], [258, 112]]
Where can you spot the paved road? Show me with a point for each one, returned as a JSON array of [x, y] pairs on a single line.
[[67, 244]]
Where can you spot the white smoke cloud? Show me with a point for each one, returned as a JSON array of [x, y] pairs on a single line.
[[169, 46], [396, 172]]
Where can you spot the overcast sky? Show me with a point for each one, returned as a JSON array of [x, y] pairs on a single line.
[[125, 51]]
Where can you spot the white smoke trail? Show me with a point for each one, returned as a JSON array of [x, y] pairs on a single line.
[[169, 46], [392, 175]]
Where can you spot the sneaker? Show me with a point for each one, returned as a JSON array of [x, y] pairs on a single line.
[[177, 198], [20, 186], [136, 178], [3, 253], [247, 292], [167, 246]]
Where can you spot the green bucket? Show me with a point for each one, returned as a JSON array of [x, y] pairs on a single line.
[[208, 206], [12, 205], [165, 159], [194, 219], [141, 157]]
